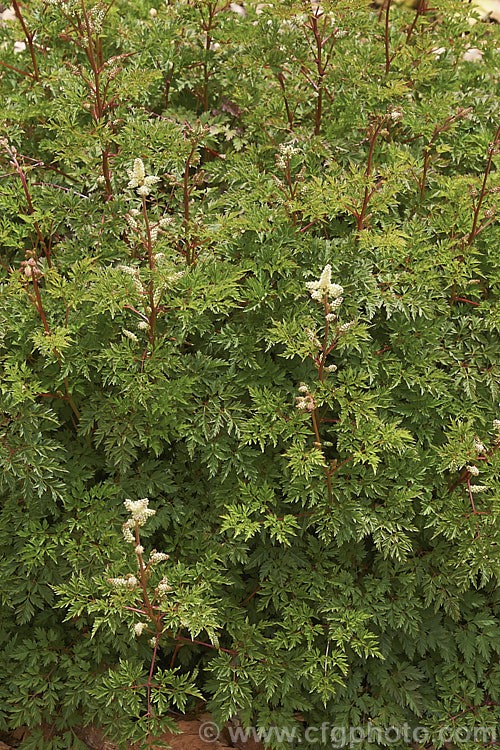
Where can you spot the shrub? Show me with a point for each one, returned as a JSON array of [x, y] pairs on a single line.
[[249, 282]]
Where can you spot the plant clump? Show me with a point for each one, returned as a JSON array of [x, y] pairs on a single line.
[[249, 354]]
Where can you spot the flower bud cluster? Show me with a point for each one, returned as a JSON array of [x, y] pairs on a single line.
[[66, 5], [286, 151], [164, 587], [97, 14], [130, 581], [312, 337], [473, 470], [346, 326], [156, 557], [134, 274], [127, 531], [306, 401], [130, 335], [30, 269], [176, 276]]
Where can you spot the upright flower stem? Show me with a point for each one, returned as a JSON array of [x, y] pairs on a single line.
[[92, 47], [39, 307], [208, 42], [321, 56], [151, 262], [96, 60], [491, 151], [369, 192], [438, 130], [29, 38], [155, 618], [318, 445], [207, 26], [388, 57], [186, 194], [325, 350], [420, 10], [150, 676], [289, 115], [31, 209]]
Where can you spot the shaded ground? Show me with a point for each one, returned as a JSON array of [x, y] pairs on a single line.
[[191, 738]]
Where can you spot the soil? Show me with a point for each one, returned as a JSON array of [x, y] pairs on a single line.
[[188, 739]]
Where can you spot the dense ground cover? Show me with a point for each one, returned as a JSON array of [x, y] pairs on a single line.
[[250, 272]]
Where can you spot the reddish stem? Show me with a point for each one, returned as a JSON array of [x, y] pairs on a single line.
[[29, 38], [31, 210], [474, 231], [386, 37], [18, 70], [156, 619], [420, 10], [151, 262], [462, 299], [151, 671], [289, 116], [250, 596], [368, 194]]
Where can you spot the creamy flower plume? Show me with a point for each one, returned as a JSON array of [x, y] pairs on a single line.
[[139, 180], [139, 510], [325, 289]]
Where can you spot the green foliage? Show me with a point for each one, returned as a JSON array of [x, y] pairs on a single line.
[[250, 271]]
